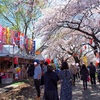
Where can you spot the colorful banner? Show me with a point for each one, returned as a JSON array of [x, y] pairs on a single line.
[[16, 60], [22, 41], [1, 44], [12, 37]]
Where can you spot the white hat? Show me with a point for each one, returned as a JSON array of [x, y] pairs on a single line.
[[35, 63]]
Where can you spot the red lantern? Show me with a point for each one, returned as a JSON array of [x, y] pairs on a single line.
[[91, 41], [80, 51], [85, 47], [48, 61]]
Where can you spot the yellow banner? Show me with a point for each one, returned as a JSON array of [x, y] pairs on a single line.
[[85, 61], [30, 44], [8, 35]]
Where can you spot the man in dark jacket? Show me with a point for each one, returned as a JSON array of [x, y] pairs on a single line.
[[92, 73], [31, 74]]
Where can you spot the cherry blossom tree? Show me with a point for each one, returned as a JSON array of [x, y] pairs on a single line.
[[79, 15], [21, 14]]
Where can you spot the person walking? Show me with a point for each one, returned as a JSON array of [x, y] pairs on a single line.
[[78, 71], [84, 76], [50, 83], [37, 77], [73, 70], [53, 65], [92, 70], [66, 82]]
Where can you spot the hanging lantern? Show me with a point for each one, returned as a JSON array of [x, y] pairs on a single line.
[[85, 47], [81, 51], [91, 41]]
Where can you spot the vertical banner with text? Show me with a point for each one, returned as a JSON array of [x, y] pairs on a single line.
[[33, 48], [1, 44]]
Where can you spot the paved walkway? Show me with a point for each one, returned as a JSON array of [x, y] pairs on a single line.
[[92, 93], [28, 93]]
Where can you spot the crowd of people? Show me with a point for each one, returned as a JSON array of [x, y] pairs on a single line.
[[47, 75]]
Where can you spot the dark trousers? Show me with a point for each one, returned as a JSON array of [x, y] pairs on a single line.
[[37, 86], [93, 79], [85, 83], [51, 95], [74, 77], [0, 79], [78, 75]]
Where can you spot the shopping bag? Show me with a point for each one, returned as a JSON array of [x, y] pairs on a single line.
[[88, 78]]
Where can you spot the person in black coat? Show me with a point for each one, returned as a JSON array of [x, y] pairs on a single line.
[[30, 72], [92, 69], [84, 76], [50, 83]]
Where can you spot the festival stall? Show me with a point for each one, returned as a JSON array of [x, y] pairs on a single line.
[[13, 47]]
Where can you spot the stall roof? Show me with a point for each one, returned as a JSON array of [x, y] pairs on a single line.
[[39, 57], [9, 50], [12, 51]]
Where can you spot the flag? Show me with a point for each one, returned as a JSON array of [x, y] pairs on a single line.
[[33, 48], [1, 44], [8, 35], [17, 38], [26, 42], [15, 60], [12, 41], [85, 60], [30, 44]]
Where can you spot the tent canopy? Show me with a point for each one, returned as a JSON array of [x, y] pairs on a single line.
[[39, 57], [14, 51], [9, 50]]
